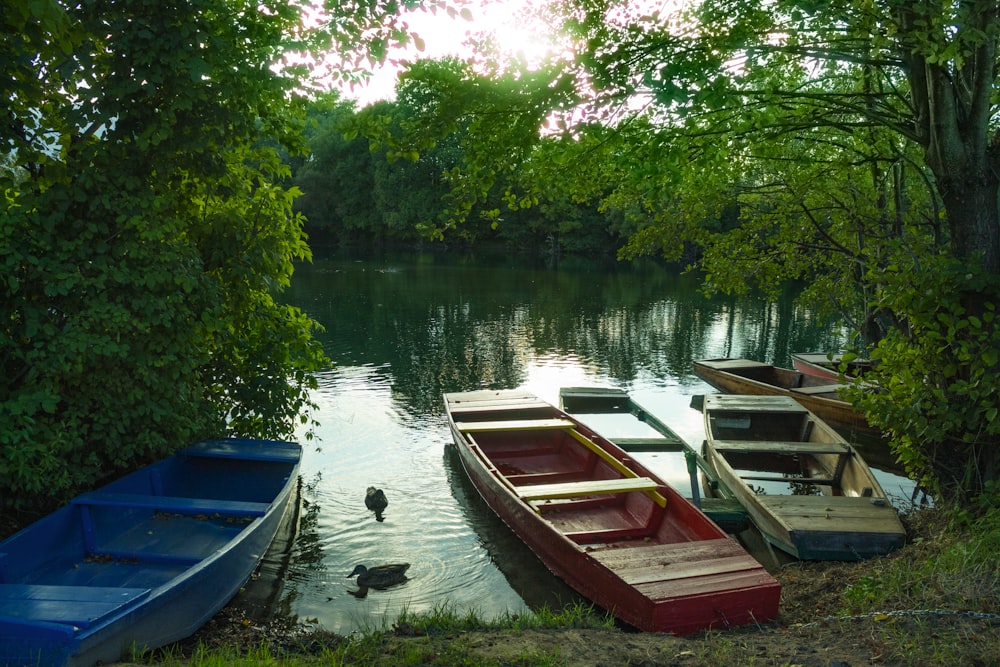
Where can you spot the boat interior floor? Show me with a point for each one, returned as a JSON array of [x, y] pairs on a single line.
[[150, 553]]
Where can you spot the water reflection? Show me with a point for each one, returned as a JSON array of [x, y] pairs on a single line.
[[403, 331]]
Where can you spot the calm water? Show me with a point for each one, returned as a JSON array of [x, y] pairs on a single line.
[[402, 331]]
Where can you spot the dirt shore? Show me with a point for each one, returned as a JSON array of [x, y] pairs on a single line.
[[815, 627]]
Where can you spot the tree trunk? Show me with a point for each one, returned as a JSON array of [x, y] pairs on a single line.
[[953, 105], [973, 215]]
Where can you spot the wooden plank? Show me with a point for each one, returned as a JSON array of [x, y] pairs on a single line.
[[769, 403], [485, 401], [654, 572], [749, 579], [780, 447], [514, 425], [586, 488], [669, 555], [824, 507]]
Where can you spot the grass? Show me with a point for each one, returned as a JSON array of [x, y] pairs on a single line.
[[954, 565], [934, 602], [430, 640]]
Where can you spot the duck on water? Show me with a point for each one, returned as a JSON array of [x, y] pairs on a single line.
[[376, 501], [379, 577]]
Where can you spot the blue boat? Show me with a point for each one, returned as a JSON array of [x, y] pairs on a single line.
[[145, 560]]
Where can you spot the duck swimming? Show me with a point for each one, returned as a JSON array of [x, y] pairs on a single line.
[[378, 577], [376, 501]]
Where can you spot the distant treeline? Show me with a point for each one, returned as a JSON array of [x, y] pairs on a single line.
[[356, 192]]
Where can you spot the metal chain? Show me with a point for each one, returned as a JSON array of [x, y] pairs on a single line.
[[906, 612]]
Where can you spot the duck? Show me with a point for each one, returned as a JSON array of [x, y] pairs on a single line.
[[378, 577], [376, 501]]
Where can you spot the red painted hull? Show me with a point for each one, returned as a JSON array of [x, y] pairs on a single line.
[[660, 568], [812, 365]]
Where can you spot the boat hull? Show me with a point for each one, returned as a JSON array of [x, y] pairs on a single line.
[[129, 568], [833, 507], [753, 378], [826, 366], [700, 580]]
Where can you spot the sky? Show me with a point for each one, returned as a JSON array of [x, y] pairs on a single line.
[[443, 36]]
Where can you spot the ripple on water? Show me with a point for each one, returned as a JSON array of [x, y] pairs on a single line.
[[423, 525]]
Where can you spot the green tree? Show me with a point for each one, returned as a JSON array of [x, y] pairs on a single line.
[[858, 143], [145, 233], [337, 178]]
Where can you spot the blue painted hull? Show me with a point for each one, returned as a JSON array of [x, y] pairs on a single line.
[[145, 560]]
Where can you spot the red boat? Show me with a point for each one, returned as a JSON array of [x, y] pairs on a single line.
[[828, 366], [602, 522]]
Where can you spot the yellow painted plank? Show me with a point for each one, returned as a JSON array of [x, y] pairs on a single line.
[[586, 488]]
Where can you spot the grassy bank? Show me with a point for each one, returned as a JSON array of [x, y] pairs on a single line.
[[934, 602]]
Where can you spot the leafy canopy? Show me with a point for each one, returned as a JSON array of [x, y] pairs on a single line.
[[147, 230], [840, 143]]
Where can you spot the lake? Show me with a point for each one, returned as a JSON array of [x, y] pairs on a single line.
[[403, 330]]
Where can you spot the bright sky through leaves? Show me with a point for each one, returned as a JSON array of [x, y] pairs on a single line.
[[442, 35]]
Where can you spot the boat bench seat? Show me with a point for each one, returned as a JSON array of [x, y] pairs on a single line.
[[588, 487], [80, 606], [181, 505], [514, 425], [778, 447]]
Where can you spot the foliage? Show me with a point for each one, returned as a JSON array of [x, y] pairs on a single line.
[[958, 568], [146, 232], [937, 377], [364, 181], [823, 143]]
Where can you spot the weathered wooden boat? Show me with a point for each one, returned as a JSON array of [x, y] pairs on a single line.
[[602, 522], [829, 366], [804, 486], [145, 560], [818, 395]]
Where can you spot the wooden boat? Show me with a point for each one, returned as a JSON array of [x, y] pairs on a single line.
[[145, 560], [603, 523], [820, 396], [804, 486], [828, 366]]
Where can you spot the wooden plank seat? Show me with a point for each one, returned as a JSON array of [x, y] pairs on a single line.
[[608, 535], [80, 606], [514, 425], [588, 487], [776, 447], [181, 505]]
